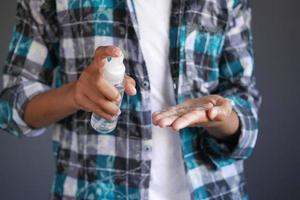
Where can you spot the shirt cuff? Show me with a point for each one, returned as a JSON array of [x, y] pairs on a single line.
[[13, 105], [223, 152]]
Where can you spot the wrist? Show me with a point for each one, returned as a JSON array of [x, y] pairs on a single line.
[[70, 97]]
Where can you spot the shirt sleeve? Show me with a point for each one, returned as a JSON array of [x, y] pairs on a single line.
[[29, 67], [237, 84]]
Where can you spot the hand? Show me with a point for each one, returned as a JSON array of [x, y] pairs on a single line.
[[212, 112], [93, 93]]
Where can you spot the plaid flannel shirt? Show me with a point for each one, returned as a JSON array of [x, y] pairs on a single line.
[[210, 53]]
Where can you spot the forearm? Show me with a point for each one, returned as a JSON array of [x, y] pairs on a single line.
[[225, 129], [50, 107]]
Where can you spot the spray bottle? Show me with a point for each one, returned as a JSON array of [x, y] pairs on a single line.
[[114, 71]]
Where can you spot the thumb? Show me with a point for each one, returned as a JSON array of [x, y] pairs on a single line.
[[221, 111], [130, 85], [217, 113], [213, 113]]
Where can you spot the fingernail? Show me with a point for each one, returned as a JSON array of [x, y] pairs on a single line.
[[134, 90], [119, 98], [154, 122], [113, 118], [214, 112], [117, 115], [155, 113], [119, 112]]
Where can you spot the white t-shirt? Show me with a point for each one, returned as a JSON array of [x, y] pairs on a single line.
[[168, 180]]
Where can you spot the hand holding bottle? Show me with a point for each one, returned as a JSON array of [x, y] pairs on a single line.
[[93, 93]]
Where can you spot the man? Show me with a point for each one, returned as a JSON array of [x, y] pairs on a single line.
[[191, 61]]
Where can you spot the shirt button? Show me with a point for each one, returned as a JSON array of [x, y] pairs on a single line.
[[174, 86], [147, 148], [146, 84]]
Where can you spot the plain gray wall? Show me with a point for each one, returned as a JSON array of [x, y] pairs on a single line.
[[27, 167]]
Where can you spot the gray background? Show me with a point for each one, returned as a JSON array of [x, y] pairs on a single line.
[[26, 166]]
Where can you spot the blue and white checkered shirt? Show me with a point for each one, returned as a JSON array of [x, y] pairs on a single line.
[[210, 53]]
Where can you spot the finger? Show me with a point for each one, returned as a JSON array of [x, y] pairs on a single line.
[[221, 111], [102, 52], [129, 84], [105, 51], [154, 119], [166, 122], [89, 106], [108, 90], [194, 117], [172, 111], [204, 103], [218, 113], [155, 113], [180, 110], [157, 116], [108, 106]]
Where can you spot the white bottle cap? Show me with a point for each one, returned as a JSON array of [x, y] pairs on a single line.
[[114, 70]]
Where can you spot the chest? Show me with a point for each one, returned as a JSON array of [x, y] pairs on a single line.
[[196, 37]]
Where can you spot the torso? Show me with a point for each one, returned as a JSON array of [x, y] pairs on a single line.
[[167, 179]]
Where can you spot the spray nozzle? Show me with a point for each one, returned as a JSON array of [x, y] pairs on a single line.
[[114, 68], [115, 60]]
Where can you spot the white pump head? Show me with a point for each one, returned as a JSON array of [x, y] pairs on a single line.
[[114, 69]]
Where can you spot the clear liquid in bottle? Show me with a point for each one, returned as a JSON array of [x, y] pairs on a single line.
[[102, 125]]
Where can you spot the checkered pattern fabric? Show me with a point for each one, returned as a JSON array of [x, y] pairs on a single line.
[[210, 53]]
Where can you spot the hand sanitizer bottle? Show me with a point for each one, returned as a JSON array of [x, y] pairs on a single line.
[[114, 71]]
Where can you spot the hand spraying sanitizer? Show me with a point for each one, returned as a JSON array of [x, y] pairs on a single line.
[[114, 71]]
